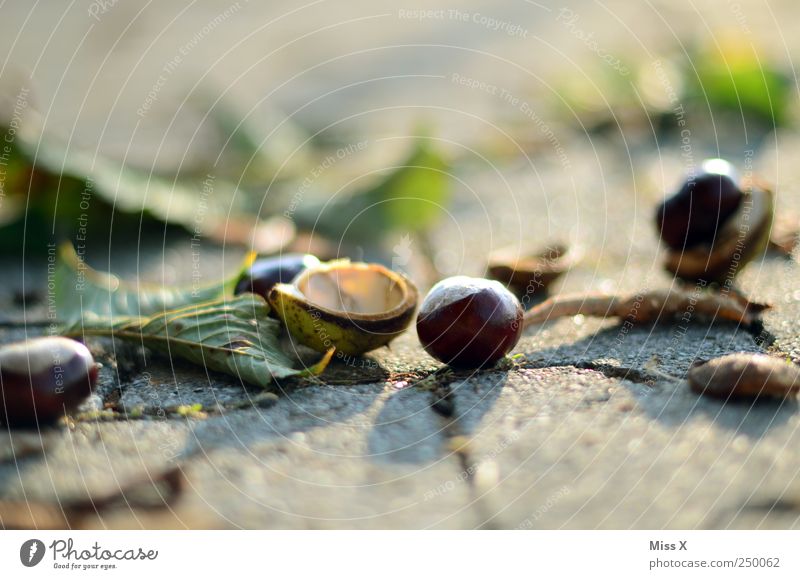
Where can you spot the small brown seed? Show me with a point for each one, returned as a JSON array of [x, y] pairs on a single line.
[[745, 377]]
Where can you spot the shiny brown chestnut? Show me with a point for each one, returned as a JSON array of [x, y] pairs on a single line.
[[715, 225], [469, 322], [700, 207], [42, 378], [266, 272]]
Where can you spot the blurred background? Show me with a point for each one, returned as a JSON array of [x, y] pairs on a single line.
[[524, 120]]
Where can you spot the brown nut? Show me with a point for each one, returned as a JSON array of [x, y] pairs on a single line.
[[266, 272], [469, 322], [743, 237], [714, 227], [702, 205], [42, 378]]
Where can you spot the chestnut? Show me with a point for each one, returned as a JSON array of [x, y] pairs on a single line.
[[715, 224], [266, 272], [703, 203], [469, 322], [42, 378]]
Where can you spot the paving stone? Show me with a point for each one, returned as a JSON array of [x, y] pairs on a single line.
[[92, 459], [324, 457]]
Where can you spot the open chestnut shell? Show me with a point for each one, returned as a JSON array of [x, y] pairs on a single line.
[[528, 274], [353, 307]]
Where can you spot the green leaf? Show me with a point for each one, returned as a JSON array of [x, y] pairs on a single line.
[[86, 296], [732, 76], [416, 194], [235, 336], [55, 185], [80, 176], [410, 198]]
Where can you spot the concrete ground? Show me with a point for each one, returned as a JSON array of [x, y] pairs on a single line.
[[578, 432]]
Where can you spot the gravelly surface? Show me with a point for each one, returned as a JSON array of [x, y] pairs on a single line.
[[579, 432]]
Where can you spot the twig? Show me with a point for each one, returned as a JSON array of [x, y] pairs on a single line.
[[651, 306]]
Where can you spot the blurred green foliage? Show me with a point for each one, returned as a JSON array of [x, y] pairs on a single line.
[[52, 192], [410, 198], [724, 76], [732, 77]]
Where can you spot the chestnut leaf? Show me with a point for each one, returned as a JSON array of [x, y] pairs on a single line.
[[235, 336], [49, 176], [95, 298]]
